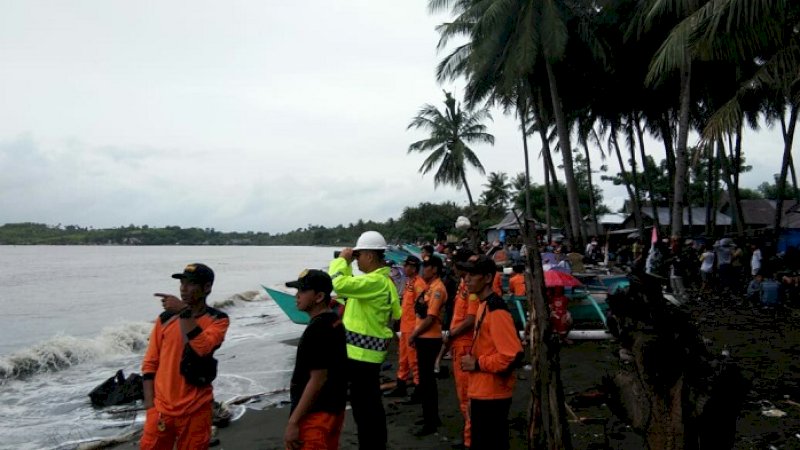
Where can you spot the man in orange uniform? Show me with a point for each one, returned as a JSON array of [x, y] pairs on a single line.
[[178, 396], [516, 284], [496, 351], [497, 281], [459, 338], [415, 287], [427, 338]]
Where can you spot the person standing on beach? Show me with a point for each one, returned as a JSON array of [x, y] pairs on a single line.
[[496, 351], [407, 360], [319, 383], [459, 339], [371, 303], [178, 365], [427, 339]]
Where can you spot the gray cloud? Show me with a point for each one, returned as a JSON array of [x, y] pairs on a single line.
[[263, 116]]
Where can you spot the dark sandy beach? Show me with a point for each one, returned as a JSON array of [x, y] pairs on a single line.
[[765, 344]]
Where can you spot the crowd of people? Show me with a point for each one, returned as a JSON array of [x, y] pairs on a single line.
[[445, 306]]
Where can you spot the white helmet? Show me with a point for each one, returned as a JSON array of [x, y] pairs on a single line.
[[370, 240]]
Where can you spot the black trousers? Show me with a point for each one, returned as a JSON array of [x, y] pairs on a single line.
[[489, 419], [367, 403], [427, 351]]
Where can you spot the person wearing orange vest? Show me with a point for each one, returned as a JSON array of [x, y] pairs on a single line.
[[497, 281], [496, 351], [177, 396], [516, 284], [427, 339], [459, 339], [407, 364]]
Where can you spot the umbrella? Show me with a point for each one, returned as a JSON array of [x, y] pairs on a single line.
[[553, 278]]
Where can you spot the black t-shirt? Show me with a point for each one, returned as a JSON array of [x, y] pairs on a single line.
[[322, 346]]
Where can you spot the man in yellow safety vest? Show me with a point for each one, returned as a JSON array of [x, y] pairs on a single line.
[[371, 303]]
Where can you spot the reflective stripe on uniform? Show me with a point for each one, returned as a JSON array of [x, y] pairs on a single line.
[[367, 342]]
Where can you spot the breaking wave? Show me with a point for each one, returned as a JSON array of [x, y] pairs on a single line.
[[62, 352], [65, 351]]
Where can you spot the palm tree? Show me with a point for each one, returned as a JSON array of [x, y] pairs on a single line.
[[496, 195], [450, 132]]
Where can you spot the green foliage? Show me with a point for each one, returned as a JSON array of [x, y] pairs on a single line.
[[450, 133], [427, 221], [770, 190]]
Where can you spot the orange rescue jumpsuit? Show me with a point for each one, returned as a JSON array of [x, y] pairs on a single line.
[[495, 347], [408, 320], [516, 285], [497, 284], [466, 304], [182, 411]]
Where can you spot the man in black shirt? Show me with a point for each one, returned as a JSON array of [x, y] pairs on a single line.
[[319, 384]]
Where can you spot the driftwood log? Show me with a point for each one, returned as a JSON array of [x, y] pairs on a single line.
[[669, 388]]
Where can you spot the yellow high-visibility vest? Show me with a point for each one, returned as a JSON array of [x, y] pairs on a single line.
[[371, 304]]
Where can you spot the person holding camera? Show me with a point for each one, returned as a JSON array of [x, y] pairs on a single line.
[[371, 303], [178, 366]]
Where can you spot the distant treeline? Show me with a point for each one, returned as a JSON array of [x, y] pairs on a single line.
[[425, 222]]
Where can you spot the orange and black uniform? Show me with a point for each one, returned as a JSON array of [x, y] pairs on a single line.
[[516, 285], [428, 344], [497, 350], [466, 304], [497, 284], [408, 320], [322, 347], [182, 411]]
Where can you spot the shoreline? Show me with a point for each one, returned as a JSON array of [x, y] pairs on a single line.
[[263, 429]]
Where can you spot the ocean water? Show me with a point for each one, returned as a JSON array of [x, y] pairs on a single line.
[[74, 315]]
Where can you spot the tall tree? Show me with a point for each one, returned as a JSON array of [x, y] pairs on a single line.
[[450, 133], [497, 194]]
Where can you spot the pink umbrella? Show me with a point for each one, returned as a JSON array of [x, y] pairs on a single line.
[[553, 278]]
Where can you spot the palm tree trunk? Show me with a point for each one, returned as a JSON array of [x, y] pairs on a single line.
[[579, 233], [637, 210], [549, 166], [523, 114], [648, 179], [592, 206], [680, 185], [547, 415], [788, 137], [669, 153], [794, 178], [632, 152], [548, 219], [796, 194], [709, 190], [733, 193], [466, 187]]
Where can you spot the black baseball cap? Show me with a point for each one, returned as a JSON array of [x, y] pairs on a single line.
[[412, 260], [433, 261], [196, 273], [312, 280], [479, 264], [462, 254]]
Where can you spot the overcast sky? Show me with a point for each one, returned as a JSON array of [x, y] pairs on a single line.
[[236, 115]]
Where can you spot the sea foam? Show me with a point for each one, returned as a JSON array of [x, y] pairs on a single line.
[[65, 351]]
